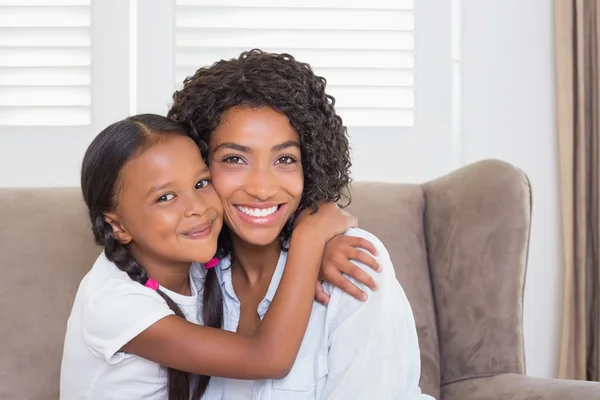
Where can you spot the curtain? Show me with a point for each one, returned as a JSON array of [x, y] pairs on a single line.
[[578, 110]]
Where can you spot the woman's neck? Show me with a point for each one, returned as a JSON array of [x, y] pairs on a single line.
[[174, 276], [257, 263]]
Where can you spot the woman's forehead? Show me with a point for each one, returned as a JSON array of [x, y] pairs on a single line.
[[253, 127]]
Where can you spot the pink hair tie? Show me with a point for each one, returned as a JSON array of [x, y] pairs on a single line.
[[212, 263], [152, 284]]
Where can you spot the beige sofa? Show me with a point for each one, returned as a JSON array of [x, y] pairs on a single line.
[[459, 245]]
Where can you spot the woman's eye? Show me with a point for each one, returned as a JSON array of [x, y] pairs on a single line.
[[233, 160], [286, 160], [202, 184], [165, 197]]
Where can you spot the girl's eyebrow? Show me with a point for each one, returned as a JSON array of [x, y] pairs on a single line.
[[158, 188], [162, 186]]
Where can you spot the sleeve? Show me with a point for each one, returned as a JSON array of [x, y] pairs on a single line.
[[373, 345], [118, 313]]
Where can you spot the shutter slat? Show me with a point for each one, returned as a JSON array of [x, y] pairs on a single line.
[[45, 59], [45, 116], [295, 39], [45, 76], [365, 49], [44, 37], [44, 96], [367, 77], [372, 97], [42, 57], [335, 4], [299, 18], [45, 17], [45, 3], [384, 117]]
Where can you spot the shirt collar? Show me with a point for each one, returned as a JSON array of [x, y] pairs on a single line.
[[225, 274], [277, 274], [224, 263]]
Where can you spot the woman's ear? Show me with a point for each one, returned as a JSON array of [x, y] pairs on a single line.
[[121, 234]]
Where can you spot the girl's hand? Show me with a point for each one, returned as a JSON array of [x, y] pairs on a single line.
[[322, 226], [336, 262]]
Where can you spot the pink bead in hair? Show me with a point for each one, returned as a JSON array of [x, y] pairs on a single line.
[[212, 263], [152, 284]]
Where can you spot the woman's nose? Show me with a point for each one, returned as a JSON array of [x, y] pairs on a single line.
[[262, 185]]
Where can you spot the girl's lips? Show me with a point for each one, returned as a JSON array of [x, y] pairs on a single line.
[[199, 231], [260, 220]]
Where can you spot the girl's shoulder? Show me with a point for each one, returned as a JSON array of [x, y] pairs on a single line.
[[106, 273], [106, 283]]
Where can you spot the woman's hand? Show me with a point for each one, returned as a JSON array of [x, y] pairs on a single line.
[[337, 257], [323, 225]]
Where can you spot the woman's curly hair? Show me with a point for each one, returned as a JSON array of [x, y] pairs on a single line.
[[260, 79]]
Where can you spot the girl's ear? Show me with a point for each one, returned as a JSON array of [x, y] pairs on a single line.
[[121, 234]]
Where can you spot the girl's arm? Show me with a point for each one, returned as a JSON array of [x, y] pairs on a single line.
[[272, 350]]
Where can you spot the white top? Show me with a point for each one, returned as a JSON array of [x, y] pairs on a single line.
[[351, 349], [238, 389], [110, 309]]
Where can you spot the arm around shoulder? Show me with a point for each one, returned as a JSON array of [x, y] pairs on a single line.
[[373, 345], [270, 353]]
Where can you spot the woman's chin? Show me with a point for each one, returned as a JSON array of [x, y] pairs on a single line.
[[260, 238]]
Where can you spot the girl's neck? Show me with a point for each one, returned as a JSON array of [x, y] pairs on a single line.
[[174, 276], [256, 262]]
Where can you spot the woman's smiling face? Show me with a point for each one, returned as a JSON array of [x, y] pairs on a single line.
[[256, 167]]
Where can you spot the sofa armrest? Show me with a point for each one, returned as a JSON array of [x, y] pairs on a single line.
[[520, 387], [477, 222]]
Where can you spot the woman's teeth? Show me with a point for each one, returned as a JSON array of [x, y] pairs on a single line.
[[258, 212]]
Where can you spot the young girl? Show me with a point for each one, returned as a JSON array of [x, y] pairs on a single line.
[[154, 210]]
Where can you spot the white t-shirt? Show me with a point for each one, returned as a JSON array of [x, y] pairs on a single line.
[[110, 309]]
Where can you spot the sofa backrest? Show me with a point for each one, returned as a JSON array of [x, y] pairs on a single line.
[[46, 247]]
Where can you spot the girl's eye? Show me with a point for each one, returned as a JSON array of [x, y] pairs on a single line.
[[286, 160], [165, 197], [202, 184], [233, 160]]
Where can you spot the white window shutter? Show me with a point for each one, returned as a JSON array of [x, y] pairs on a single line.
[[387, 62], [365, 49], [45, 62], [64, 76]]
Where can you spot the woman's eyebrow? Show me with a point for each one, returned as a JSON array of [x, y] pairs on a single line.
[[232, 146], [285, 145]]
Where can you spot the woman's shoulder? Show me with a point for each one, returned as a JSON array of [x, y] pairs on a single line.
[[386, 278], [358, 232], [361, 233], [388, 299]]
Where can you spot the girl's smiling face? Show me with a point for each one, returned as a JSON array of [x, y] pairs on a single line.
[[167, 208], [256, 165]]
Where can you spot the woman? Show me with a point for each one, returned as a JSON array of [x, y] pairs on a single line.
[[277, 147]]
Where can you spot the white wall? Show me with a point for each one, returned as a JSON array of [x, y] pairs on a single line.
[[508, 113]]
